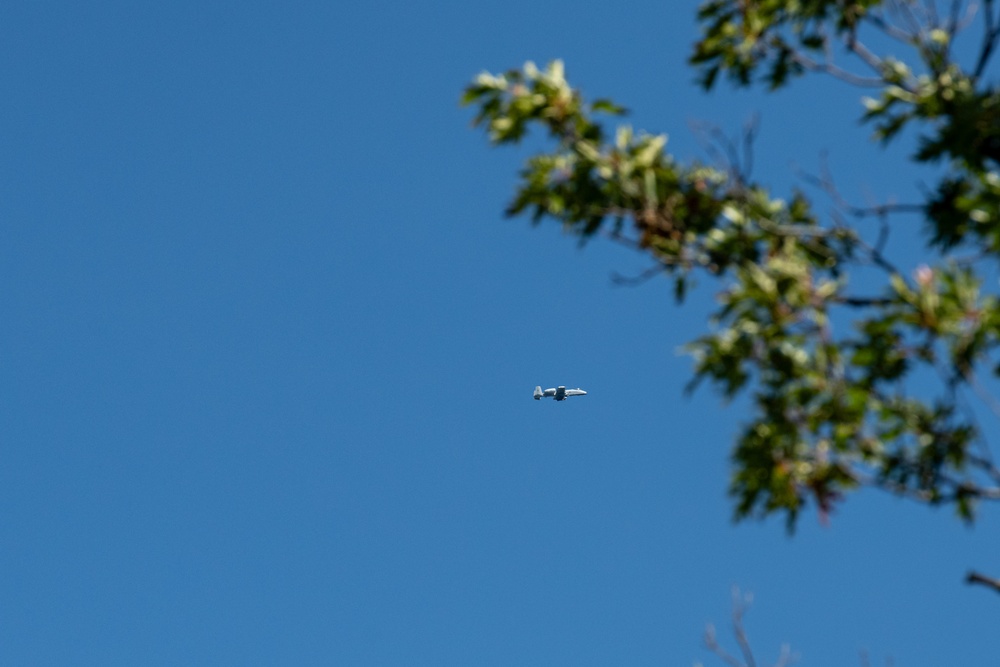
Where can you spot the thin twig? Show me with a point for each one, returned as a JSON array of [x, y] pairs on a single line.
[[986, 397], [991, 33], [826, 183], [891, 30], [726, 151], [985, 463], [740, 603], [632, 281], [713, 645], [905, 12], [750, 129], [867, 56], [974, 577], [861, 301], [837, 72]]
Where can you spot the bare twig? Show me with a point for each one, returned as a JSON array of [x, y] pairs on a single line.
[[727, 151], [741, 636], [951, 27], [991, 33], [645, 276], [713, 645], [970, 16], [740, 604], [904, 10], [892, 30], [837, 72], [824, 181], [985, 463], [861, 301], [985, 396], [750, 129], [883, 233], [974, 577], [930, 7], [866, 55]]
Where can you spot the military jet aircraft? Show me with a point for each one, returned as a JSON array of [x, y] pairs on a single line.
[[559, 393]]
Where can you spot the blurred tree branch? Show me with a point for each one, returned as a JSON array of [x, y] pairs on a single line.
[[746, 658], [977, 578]]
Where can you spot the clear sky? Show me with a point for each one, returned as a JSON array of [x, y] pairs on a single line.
[[267, 348]]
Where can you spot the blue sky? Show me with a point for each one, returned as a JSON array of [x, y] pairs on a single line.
[[268, 347]]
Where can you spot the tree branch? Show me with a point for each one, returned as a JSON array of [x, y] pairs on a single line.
[[645, 276], [861, 301], [974, 577], [740, 604], [837, 72], [991, 33]]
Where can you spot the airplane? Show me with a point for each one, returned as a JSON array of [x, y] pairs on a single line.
[[559, 393]]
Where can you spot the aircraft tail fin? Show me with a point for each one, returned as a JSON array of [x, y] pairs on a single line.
[[538, 392]]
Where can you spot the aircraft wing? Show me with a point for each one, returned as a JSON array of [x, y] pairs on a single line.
[[559, 393]]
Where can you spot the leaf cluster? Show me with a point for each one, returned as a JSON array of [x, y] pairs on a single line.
[[739, 37], [881, 402]]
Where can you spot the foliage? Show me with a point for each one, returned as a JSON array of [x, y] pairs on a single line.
[[832, 411]]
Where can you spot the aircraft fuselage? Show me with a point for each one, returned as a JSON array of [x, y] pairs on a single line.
[[560, 393]]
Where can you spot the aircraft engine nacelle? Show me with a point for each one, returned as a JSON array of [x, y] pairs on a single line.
[[538, 393]]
